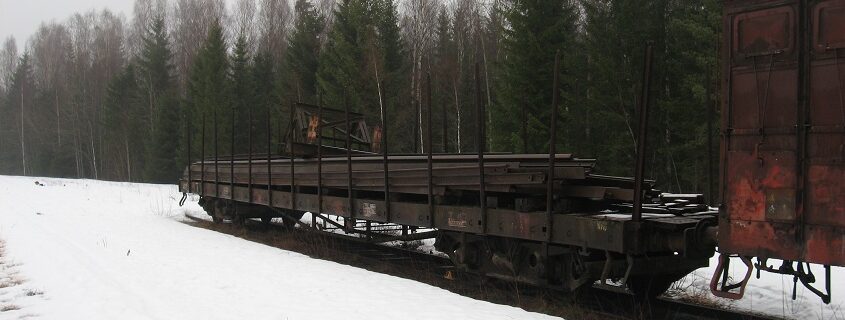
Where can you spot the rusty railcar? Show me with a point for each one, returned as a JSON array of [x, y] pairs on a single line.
[[783, 139]]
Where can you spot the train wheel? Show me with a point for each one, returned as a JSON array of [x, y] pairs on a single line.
[[218, 211], [289, 221]]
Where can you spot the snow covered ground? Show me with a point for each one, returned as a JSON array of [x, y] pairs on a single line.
[[769, 295], [82, 249]]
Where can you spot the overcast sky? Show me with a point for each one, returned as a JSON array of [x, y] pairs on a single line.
[[20, 18]]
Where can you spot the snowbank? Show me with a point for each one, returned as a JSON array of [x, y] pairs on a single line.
[[103, 250], [81, 249], [769, 295]]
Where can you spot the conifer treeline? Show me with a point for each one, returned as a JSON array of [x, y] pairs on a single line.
[[102, 96]]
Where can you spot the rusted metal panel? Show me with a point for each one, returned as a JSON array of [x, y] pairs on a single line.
[[760, 239], [750, 178], [825, 191], [764, 32], [784, 157], [589, 232], [760, 169], [456, 218], [522, 225], [825, 245]]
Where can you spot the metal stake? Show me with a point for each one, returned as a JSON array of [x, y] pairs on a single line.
[[430, 152], [480, 142], [249, 156], [385, 162], [232, 160], [202, 158], [190, 172], [642, 138], [349, 192], [216, 159], [320, 158], [269, 164], [550, 179], [293, 167], [445, 124]]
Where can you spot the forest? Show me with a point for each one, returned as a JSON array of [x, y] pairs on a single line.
[[115, 96]]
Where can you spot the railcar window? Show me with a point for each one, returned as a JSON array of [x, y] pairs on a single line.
[[763, 32]]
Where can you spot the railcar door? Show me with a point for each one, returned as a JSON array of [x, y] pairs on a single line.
[[761, 160], [824, 211]]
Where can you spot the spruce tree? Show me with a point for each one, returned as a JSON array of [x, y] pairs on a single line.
[[363, 63], [158, 95], [444, 72], [300, 67], [16, 119], [243, 96], [536, 30], [209, 92], [266, 99], [122, 108]]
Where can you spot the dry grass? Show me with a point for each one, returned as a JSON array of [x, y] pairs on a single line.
[[9, 307], [33, 292], [685, 290]]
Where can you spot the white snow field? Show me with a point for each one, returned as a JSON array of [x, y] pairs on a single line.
[[104, 250], [83, 249]]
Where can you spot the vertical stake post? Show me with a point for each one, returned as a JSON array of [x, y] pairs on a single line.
[[348, 142], [385, 162], [710, 116], [320, 158], [417, 128], [445, 124], [249, 156], [480, 144], [232, 160], [429, 151], [550, 178], [269, 163], [190, 163], [524, 125], [202, 157], [292, 163], [216, 160], [642, 137]]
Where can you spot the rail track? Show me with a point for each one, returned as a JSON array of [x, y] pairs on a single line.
[[438, 270]]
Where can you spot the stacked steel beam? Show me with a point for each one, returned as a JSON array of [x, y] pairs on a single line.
[[523, 174]]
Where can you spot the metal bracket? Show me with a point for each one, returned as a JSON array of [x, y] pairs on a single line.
[[623, 286], [808, 278], [722, 272]]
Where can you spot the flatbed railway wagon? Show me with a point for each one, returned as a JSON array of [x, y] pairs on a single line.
[[490, 212], [549, 219]]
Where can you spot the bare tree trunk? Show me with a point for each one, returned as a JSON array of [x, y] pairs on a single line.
[[58, 121], [23, 143], [128, 166], [378, 88], [93, 151], [76, 159], [458, 113]]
